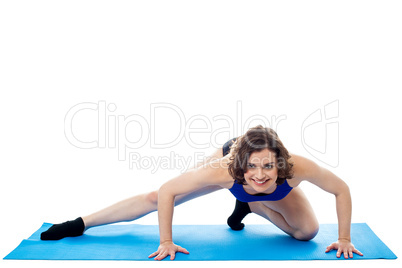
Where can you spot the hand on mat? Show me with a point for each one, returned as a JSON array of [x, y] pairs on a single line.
[[167, 248], [345, 247]]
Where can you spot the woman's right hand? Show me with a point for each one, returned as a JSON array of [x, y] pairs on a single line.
[[167, 248]]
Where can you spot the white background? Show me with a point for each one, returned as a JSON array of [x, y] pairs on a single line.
[[278, 58]]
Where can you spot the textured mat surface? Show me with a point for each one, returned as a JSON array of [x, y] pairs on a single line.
[[205, 242]]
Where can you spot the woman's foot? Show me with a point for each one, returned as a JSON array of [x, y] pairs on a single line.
[[240, 211], [66, 229]]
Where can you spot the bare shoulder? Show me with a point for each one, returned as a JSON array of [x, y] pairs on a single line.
[[303, 168], [217, 172]]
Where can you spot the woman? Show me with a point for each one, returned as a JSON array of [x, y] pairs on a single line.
[[259, 172]]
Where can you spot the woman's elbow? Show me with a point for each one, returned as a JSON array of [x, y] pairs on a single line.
[[165, 192], [343, 189]]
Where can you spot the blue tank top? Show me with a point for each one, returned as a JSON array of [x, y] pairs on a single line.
[[280, 192]]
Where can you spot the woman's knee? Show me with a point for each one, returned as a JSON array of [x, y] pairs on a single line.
[[152, 197], [307, 233]]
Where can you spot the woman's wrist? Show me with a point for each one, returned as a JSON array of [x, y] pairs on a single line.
[[166, 241], [344, 239]]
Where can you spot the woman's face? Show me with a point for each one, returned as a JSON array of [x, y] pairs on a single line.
[[262, 171]]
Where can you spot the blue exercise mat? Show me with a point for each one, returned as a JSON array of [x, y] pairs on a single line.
[[204, 242]]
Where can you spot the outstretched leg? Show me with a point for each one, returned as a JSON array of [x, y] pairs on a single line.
[[127, 210]]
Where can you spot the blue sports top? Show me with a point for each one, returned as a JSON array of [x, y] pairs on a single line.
[[280, 192], [238, 191]]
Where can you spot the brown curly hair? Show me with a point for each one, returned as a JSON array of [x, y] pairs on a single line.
[[257, 139]]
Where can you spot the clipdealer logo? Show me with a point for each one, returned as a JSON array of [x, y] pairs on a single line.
[[319, 132], [112, 131]]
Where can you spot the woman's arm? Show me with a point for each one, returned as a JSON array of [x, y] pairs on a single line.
[[212, 173], [308, 170]]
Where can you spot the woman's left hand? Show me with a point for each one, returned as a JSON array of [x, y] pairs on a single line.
[[343, 246]]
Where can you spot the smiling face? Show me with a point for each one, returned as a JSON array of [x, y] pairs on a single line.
[[262, 171]]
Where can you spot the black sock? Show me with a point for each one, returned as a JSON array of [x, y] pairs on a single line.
[[240, 211], [65, 229]]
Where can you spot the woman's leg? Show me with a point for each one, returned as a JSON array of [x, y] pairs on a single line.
[[138, 206], [126, 210], [293, 214]]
